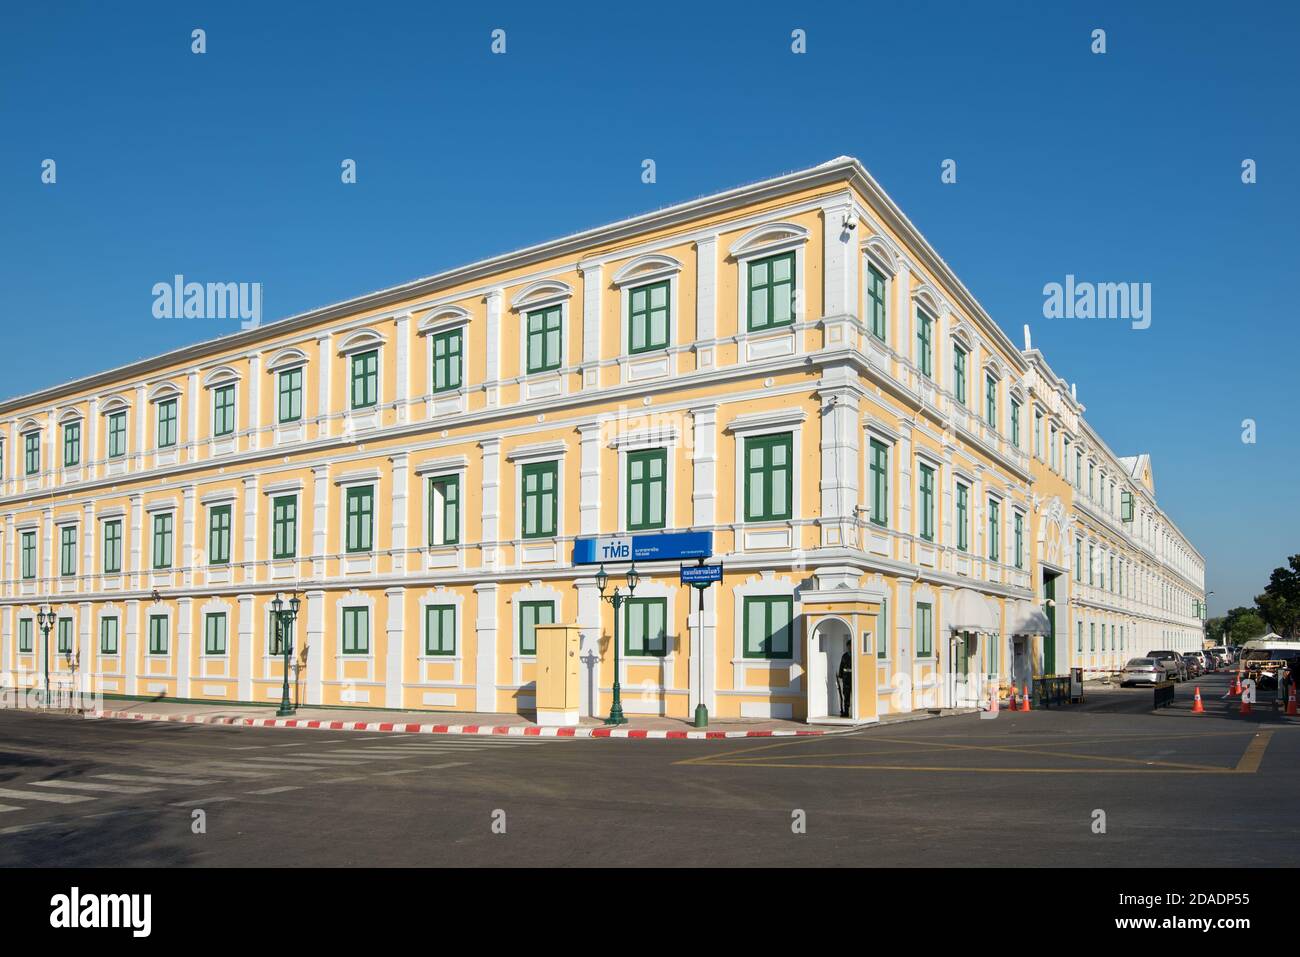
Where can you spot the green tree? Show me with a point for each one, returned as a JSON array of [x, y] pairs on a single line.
[[1279, 605], [1245, 627]]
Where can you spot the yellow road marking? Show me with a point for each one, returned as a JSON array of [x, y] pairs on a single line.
[[1254, 753]]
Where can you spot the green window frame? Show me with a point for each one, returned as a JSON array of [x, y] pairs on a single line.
[[440, 630], [71, 444], [532, 614], [926, 495], [959, 373], [991, 401], [444, 510], [882, 630], [924, 343], [924, 630], [963, 518], [1038, 434], [995, 528], [166, 414], [64, 632], [158, 634], [545, 338], [876, 312], [1078, 642], [359, 514], [649, 315], [539, 498], [27, 554], [32, 453], [215, 633], [223, 410], [364, 392], [771, 291], [284, 526], [162, 540], [1092, 565], [1078, 559], [288, 395], [646, 624], [1015, 423], [769, 477], [647, 489], [109, 633], [67, 550], [879, 470], [356, 631], [448, 354], [1092, 637], [1019, 532], [219, 535], [769, 627], [117, 435], [113, 547], [26, 636]]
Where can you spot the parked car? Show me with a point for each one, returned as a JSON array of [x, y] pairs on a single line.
[[1262, 659], [1212, 662], [1223, 653], [1142, 671], [1194, 667], [1173, 663]]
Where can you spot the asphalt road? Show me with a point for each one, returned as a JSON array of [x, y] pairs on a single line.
[[1171, 788]]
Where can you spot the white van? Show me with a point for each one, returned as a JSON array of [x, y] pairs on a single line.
[[1269, 649]]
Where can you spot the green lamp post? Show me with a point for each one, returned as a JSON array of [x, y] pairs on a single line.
[[284, 619], [45, 619], [616, 599]]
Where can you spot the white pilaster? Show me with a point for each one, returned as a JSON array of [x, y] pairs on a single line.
[[490, 539], [589, 479], [187, 536], [401, 530], [706, 300], [395, 653], [244, 660], [839, 261], [492, 345], [402, 395], [320, 519], [131, 648], [249, 552], [325, 356], [254, 401], [315, 647], [485, 666], [592, 289], [704, 466], [184, 645]]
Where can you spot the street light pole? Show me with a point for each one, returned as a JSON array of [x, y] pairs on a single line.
[[45, 619], [284, 619], [616, 600]]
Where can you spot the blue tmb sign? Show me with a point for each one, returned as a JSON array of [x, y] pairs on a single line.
[[701, 574], [657, 547]]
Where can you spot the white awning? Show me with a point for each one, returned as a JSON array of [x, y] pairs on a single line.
[[1024, 618], [972, 612]]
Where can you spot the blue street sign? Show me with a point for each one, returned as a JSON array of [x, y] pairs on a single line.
[[701, 574], [652, 547]]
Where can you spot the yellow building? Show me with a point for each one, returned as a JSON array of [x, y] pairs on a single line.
[[789, 366]]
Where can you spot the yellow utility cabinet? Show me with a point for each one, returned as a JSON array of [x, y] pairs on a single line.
[[557, 675]]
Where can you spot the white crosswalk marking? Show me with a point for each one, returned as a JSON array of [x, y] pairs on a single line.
[[199, 802], [279, 790], [264, 769], [327, 761], [90, 786], [9, 807], [38, 796], [153, 779], [230, 771]]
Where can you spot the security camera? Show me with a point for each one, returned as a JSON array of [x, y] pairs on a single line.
[[850, 221]]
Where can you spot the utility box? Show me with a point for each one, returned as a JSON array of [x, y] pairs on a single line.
[[557, 675]]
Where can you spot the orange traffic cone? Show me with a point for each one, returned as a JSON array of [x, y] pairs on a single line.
[[1290, 702], [1024, 698], [1245, 704], [1236, 684], [993, 700], [1197, 707]]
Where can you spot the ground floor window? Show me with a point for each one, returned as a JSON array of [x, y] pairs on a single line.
[[157, 634], [646, 622], [924, 630], [768, 626], [108, 636], [532, 614], [440, 630], [214, 634], [356, 631]]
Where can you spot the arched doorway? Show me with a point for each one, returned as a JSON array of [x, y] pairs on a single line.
[[826, 647]]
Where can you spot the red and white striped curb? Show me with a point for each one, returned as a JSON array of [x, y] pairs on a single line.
[[509, 730]]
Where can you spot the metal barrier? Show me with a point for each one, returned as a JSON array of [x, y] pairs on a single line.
[[1164, 694], [1052, 690]]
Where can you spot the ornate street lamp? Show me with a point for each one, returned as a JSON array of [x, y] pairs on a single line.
[[45, 619], [284, 618], [616, 599]]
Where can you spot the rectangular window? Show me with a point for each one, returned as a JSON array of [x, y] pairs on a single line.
[[440, 630], [882, 630], [959, 374], [963, 518], [444, 510], [924, 355], [162, 540], [1015, 423], [26, 629], [167, 418], [995, 524], [879, 483], [1078, 469], [113, 547], [157, 634], [1078, 559], [288, 395], [219, 535], [117, 435], [356, 631], [647, 489], [540, 499], [1078, 642], [1052, 453], [769, 625], [223, 410], [28, 556], [545, 339], [927, 502], [284, 526], [65, 636], [924, 630], [1065, 457], [108, 636], [67, 550], [646, 623], [648, 317], [876, 302], [447, 352], [32, 450], [1092, 564], [1038, 434], [365, 379], [991, 401], [1019, 531], [71, 445], [768, 477], [214, 633], [1092, 636], [532, 614], [771, 292], [359, 512]]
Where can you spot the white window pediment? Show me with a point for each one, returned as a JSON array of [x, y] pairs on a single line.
[[70, 415], [928, 298], [543, 292], [768, 238], [115, 403], [993, 367], [882, 252], [221, 375], [360, 341], [162, 391], [647, 268], [289, 358], [29, 425], [444, 317]]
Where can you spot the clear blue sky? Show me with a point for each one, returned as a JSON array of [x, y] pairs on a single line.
[[1121, 167]]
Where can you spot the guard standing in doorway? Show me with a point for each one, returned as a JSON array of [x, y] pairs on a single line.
[[844, 679]]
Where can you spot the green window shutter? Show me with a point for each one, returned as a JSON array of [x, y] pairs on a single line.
[[532, 614], [771, 292], [540, 498], [444, 510], [991, 401], [71, 444], [882, 630], [214, 634], [648, 317], [65, 636], [167, 419], [219, 535], [1020, 540], [959, 374], [545, 344], [68, 550], [1015, 423], [223, 410], [924, 352], [879, 483], [289, 395], [647, 489], [32, 452], [924, 630], [26, 630], [1078, 646], [284, 526], [365, 379], [1092, 636], [162, 540], [769, 627], [360, 518], [769, 477], [963, 521], [876, 302], [29, 555], [447, 365], [112, 547], [157, 634], [927, 502], [117, 435], [646, 624], [108, 636], [440, 630], [995, 524], [356, 631]]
